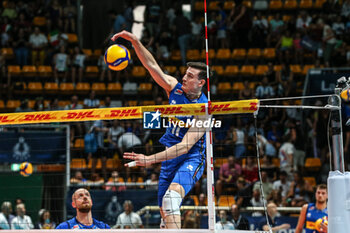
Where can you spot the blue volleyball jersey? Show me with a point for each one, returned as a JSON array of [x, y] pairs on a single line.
[[174, 135], [75, 224], [312, 214]]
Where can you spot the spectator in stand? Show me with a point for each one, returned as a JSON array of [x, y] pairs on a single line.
[[257, 201], [274, 135], [246, 92], [38, 42], [275, 224], [183, 32], [78, 64], [286, 155], [92, 101], [223, 224], [107, 103], [239, 139], [53, 105], [284, 47], [69, 16], [129, 16], [128, 219], [76, 128], [264, 90], [345, 10], [112, 181], [239, 222], [6, 32], [197, 35], [10, 10], [24, 107], [282, 185], [61, 61], [221, 33], [163, 46], [303, 22], [299, 192], [96, 179], [20, 45], [152, 182], [128, 141], [78, 178], [113, 135], [260, 30], [129, 87], [250, 170], [153, 17], [5, 216], [21, 221], [244, 193], [45, 221], [329, 41], [39, 104], [338, 26], [103, 68], [119, 23], [55, 15], [266, 184], [298, 49], [276, 26], [23, 23], [229, 172]]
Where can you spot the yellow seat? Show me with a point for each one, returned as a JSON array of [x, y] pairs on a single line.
[[237, 86], [193, 54], [183, 69], [39, 21], [223, 54], [213, 6], [247, 70], [87, 52], [254, 53], [98, 165], [231, 70], [276, 162], [138, 71], [286, 18], [35, 86], [239, 54], [113, 164], [228, 5], [149, 102], [66, 87], [195, 199], [62, 103], [199, 6], [224, 87], [145, 87], [218, 69], [13, 104], [306, 69], [311, 181], [97, 52], [211, 54], [98, 87], [78, 164], [8, 53], [295, 69], [305, 4], [2, 104], [219, 161], [14, 70], [45, 71], [261, 70], [312, 164], [290, 4], [29, 71], [91, 71], [269, 53], [170, 69], [275, 4], [114, 87], [83, 87], [319, 4], [247, 3], [277, 68], [51, 87], [175, 55], [226, 200], [79, 143], [72, 38], [132, 103]]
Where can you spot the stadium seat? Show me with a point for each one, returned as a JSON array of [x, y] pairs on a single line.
[[114, 87], [195, 199], [199, 5], [295, 69], [99, 87], [311, 181], [87, 52], [132, 103], [223, 54], [175, 55], [275, 5], [66, 87], [247, 3], [269, 53], [63, 103], [35, 86], [31, 104], [305, 4], [112, 164], [231, 70], [319, 4], [252, 85], [78, 164], [145, 88], [261, 70], [219, 70], [39, 21], [138, 71], [51, 87], [14, 70], [290, 4], [228, 5], [148, 102], [45, 71], [98, 165], [72, 38], [224, 87], [29, 71], [211, 54], [182, 69], [239, 54], [91, 71], [7, 53], [247, 70], [276, 162], [193, 54], [306, 69], [237, 86], [254, 53], [219, 161], [312, 164], [286, 18], [277, 68], [83, 87], [213, 6], [170, 69], [79, 143], [226, 200], [12, 104], [2, 104]]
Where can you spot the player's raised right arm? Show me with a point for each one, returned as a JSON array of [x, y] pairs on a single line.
[[302, 218], [167, 82]]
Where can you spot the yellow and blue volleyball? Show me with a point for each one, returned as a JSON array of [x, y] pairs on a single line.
[[117, 57], [320, 221], [26, 169], [345, 95]]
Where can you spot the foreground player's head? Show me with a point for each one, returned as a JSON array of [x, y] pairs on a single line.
[[81, 200], [194, 78], [321, 194]]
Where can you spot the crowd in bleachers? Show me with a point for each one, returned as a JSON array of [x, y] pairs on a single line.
[[257, 49]]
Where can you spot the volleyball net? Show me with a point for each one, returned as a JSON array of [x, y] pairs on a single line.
[[256, 152]]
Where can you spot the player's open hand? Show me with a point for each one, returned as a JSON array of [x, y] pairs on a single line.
[[124, 34], [324, 228], [139, 159]]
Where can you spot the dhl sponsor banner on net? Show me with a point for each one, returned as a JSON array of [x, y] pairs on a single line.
[[231, 107]]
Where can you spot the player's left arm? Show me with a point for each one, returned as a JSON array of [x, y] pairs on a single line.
[[191, 137]]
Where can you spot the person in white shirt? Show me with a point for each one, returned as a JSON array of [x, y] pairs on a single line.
[[128, 219], [223, 224], [264, 90], [286, 155], [5, 216], [21, 221], [303, 22], [282, 185], [78, 64], [92, 102], [128, 141], [38, 42], [61, 61]]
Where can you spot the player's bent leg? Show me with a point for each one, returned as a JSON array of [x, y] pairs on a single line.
[[171, 206]]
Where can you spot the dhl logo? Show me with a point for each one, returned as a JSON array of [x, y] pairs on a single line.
[[79, 115], [124, 113], [171, 110], [37, 117], [5, 119]]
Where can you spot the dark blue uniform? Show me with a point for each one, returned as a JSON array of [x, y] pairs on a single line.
[[75, 224]]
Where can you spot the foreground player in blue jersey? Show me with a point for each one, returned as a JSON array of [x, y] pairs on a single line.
[[184, 158], [81, 201], [311, 212]]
